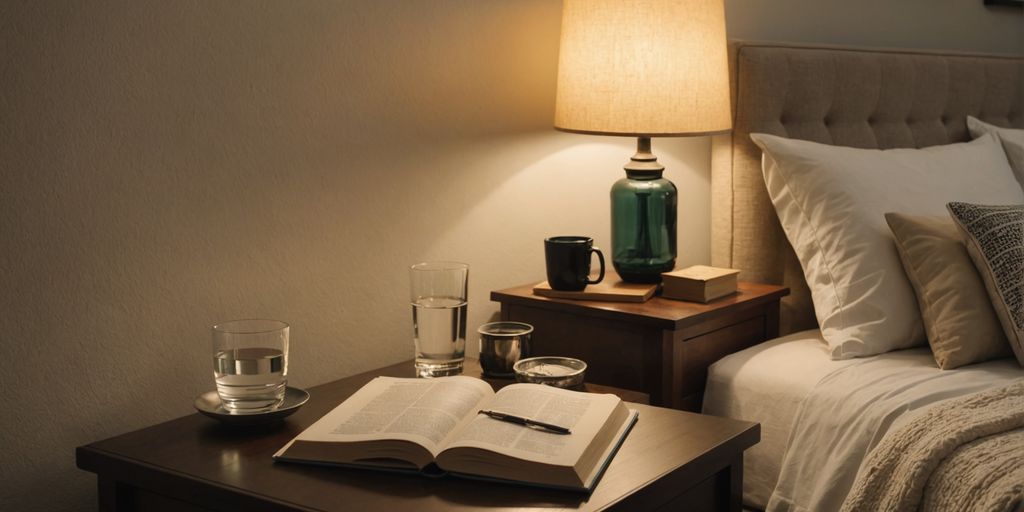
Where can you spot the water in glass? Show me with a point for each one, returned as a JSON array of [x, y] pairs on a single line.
[[250, 378], [439, 325]]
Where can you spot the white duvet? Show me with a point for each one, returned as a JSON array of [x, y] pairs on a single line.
[[767, 383], [820, 418], [853, 407]]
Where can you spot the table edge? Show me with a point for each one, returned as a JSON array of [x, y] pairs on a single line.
[[594, 308]]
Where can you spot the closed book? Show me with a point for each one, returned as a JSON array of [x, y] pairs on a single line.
[[444, 426], [699, 283]]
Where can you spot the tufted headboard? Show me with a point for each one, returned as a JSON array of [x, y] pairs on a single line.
[[842, 96]]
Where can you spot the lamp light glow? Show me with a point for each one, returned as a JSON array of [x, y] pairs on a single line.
[[643, 67]]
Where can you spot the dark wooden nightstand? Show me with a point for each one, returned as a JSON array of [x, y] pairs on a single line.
[[672, 460], [661, 347]]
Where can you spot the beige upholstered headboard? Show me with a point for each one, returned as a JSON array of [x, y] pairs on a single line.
[[842, 96]]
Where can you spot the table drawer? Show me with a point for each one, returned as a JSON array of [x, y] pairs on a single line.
[[693, 356]]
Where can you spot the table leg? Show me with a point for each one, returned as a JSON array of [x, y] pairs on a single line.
[[736, 484], [114, 496]]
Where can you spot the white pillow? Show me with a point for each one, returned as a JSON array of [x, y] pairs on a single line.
[[832, 200], [1012, 139]]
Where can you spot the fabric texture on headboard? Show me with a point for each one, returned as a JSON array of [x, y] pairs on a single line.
[[841, 96]]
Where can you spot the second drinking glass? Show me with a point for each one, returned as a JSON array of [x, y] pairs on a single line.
[[438, 297], [250, 364]]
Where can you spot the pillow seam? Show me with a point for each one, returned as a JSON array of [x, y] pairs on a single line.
[[821, 250]]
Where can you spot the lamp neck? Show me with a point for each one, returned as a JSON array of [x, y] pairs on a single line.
[[644, 165]]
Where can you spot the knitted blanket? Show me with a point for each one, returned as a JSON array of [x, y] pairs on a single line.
[[965, 453]]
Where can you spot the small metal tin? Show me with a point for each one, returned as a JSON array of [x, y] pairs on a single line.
[[560, 372], [502, 344]]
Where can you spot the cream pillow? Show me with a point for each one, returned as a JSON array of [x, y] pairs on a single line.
[[1012, 139], [831, 201], [958, 317], [994, 236]]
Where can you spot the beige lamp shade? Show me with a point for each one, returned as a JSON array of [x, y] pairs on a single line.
[[643, 67]]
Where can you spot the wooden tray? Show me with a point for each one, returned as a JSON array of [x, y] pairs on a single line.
[[612, 288]]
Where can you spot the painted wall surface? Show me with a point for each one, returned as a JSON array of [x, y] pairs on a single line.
[[959, 25], [165, 165]]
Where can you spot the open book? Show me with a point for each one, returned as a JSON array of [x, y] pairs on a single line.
[[426, 424]]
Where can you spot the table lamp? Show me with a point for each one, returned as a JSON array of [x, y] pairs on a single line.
[[643, 68]]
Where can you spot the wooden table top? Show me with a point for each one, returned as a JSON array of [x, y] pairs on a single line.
[[195, 456], [658, 311]]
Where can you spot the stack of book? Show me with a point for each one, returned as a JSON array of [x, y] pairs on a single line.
[[699, 283]]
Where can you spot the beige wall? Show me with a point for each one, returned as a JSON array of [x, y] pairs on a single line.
[[961, 25], [165, 165]]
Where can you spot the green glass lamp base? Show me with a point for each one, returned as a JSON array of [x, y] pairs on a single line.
[[641, 273], [643, 219]]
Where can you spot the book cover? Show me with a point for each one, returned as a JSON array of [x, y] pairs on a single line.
[[699, 283]]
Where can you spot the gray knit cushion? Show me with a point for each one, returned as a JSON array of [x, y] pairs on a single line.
[[994, 236]]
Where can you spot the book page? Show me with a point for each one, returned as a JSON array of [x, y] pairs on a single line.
[[423, 411], [583, 413]]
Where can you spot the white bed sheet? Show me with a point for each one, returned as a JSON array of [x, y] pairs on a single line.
[[767, 383], [820, 418], [853, 408]]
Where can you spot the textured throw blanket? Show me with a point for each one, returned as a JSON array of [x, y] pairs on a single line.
[[965, 453]]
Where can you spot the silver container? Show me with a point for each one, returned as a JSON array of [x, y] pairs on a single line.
[[561, 372], [502, 344]]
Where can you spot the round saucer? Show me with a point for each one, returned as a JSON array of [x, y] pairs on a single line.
[[210, 405]]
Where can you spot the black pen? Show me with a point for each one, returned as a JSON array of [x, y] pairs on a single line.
[[526, 421]]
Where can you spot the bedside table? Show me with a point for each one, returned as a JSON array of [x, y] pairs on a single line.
[[661, 347], [672, 460]]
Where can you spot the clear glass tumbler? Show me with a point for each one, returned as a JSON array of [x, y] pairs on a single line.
[[250, 364], [438, 296]]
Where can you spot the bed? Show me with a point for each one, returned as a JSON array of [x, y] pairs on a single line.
[[821, 417]]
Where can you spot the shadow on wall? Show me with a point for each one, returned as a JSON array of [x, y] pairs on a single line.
[[169, 165]]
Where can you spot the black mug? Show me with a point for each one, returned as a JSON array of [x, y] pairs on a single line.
[[568, 262]]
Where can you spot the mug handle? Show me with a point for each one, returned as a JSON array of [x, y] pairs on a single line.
[[600, 258]]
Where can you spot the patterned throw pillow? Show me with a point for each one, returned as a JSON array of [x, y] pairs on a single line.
[[994, 236]]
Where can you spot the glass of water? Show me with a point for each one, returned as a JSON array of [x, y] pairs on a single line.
[[250, 364], [438, 296]]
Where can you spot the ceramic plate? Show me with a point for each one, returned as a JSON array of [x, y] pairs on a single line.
[[209, 404]]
